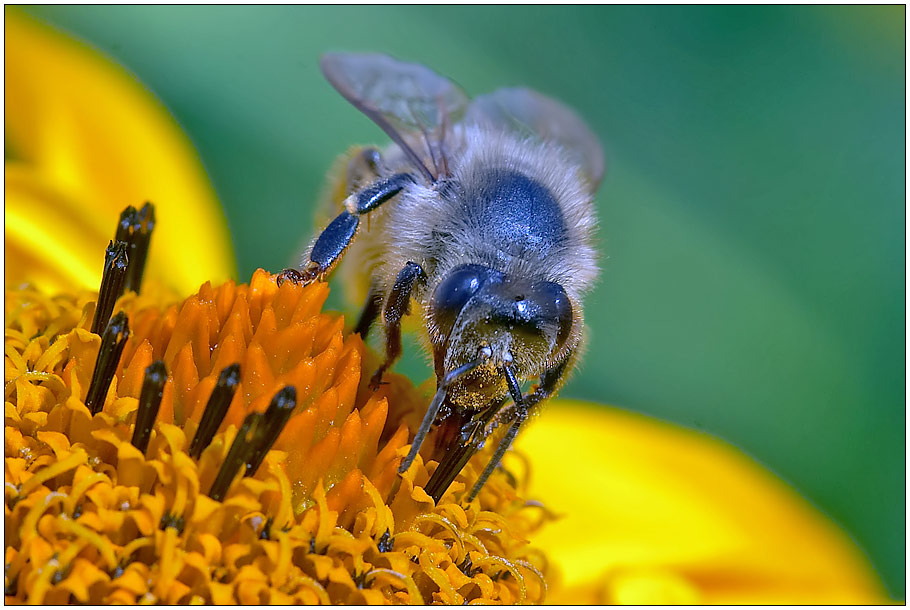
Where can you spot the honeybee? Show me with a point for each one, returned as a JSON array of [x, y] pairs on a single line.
[[482, 212]]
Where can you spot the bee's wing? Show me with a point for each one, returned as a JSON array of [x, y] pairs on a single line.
[[401, 98], [533, 114]]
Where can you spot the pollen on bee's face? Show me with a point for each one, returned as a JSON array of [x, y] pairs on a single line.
[[224, 448]]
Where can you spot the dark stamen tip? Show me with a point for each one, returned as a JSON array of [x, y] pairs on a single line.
[[149, 403], [116, 263], [135, 229], [385, 542], [265, 532], [129, 219], [284, 401], [121, 259], [147, 216], [117, 325], [230, 376], [174, 521], [112, 342], [274, 420], [215, 409], [237, 455]]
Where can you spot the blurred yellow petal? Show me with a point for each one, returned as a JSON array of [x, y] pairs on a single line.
[[34, 244], [656, 514], [87, 140]]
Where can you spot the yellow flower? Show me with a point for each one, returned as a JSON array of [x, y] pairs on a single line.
[[102, 506]]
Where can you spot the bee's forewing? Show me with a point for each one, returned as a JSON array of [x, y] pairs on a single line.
[[400, 97], [534, 114], [410, 96]]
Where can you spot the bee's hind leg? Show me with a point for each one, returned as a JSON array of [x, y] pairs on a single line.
[[336, 237], [329, 247], [396, 307]]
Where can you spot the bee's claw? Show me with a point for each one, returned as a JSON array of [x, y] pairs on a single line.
[[376, 379], [301, 278]]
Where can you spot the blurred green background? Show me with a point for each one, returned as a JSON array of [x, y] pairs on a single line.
[[752, 219]]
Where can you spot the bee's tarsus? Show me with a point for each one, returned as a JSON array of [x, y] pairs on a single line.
[[336, 237], [376, 379], [516, 415], [295, 276], [475, 432]]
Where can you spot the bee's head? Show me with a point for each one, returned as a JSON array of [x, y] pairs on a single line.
[[480, 312]]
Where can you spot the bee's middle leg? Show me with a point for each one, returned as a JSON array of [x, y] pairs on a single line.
[[395, 308]]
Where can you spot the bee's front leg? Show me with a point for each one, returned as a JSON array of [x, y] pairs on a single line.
[[518, 413], [334, 240], [475, 432]]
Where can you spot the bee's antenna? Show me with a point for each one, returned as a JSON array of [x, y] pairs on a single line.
[[433, 409]]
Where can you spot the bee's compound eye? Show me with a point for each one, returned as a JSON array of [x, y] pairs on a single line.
[[456, 290], [556, 306]]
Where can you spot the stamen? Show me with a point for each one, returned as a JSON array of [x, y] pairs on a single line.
[[116, 262], [149, 403], [135, 228], [276, 417], [237, 455], [215, 409], [256, 436], [112, 342]]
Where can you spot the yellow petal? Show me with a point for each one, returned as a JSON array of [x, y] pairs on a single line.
[[658, 514], [87, 140]]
